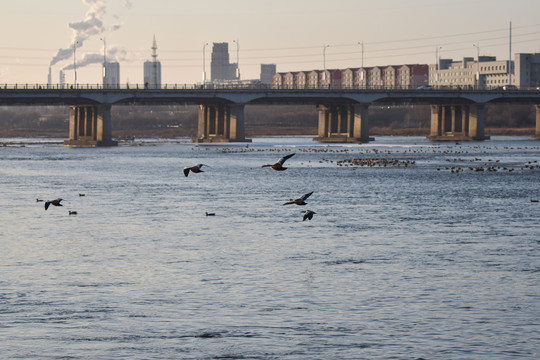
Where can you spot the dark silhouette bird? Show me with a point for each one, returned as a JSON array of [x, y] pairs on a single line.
[[82, 194], [308, 214], [39, 200], [279, 164], [193, 169], [210, 214], [72, 212], [55, 202], [300, 200]]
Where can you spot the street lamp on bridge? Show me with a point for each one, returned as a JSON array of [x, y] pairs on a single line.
[[477, 46], [237, 58], [204, 63], [324, 61], [75, 62], [437, 63], [104, 58]]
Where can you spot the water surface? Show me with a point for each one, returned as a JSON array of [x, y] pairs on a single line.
[[399, 262]]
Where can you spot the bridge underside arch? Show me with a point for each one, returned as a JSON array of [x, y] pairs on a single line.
[[346, 122], [90, 126], [457, 122], [221, 122]]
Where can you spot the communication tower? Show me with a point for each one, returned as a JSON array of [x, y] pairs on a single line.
[[152, 69]]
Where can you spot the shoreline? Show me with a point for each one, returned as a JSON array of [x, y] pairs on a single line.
[[256, 132]]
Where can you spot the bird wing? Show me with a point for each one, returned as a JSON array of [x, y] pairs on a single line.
[[306, 196], [289, 202], [283, 159], [47, 203], [186, 171]]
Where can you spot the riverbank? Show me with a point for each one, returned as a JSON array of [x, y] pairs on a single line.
[[250, 132]]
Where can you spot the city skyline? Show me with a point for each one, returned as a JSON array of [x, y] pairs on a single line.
[[295, 36]]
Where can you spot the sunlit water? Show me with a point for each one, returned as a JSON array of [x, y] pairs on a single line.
[[414, 262]]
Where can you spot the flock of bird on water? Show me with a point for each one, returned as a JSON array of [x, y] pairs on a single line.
[[278, 166], [308, 214]]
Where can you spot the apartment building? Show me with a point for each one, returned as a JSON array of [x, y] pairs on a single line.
[[487, 72], [400, 76]]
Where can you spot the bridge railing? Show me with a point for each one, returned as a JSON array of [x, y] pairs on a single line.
[[251, 85]]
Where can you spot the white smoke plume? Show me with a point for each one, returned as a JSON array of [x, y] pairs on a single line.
[[91, 25], [82, 30], [114, 53]]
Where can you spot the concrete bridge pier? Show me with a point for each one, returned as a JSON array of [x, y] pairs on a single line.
[[221, 123], [90, 126], [343, 123], [457, 122]]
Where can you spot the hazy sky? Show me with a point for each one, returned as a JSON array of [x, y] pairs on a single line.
[[290, 34]]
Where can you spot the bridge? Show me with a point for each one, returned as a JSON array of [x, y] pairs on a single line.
[[456, 114]]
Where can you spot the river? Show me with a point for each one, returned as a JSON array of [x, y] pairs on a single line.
[[416, 250]]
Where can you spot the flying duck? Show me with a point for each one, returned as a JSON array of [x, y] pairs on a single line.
[[193, 169], [279, 165], [300, 200], [308, 214], [55, 202]]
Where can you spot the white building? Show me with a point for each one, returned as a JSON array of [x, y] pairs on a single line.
[[152, 74], [488, 72], [111, 80]]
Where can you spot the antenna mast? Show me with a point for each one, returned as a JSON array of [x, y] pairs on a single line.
[[154, 61]]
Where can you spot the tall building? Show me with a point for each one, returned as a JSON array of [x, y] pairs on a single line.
[[220, 67], [267, 72], [527, 70], [111, 80], [152, 70], [61, 79]]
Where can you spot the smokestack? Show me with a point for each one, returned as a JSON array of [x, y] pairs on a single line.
[[49, 80]]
